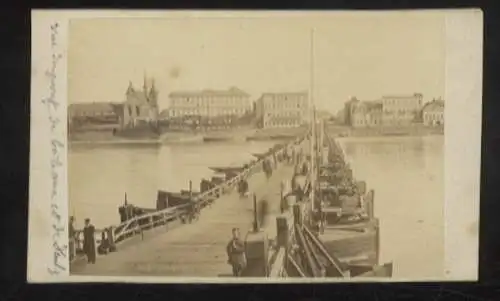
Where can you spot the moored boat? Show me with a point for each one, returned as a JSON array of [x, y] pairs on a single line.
[[217, 138], [345, 217], [228, 169], [167, 199]]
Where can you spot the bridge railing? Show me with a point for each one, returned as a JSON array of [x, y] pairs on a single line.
[[137, 225]]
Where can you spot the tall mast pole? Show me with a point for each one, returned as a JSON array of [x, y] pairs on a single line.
[[313, 125]]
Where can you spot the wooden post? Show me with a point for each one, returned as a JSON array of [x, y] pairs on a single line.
[[190, 189], [125, 206], [372, 207], [282, 231], [282, 200], [151, 221], [140, 229], [297, 214], [255, 217]]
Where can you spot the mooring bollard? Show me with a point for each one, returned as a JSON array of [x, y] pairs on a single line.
[[255, 216], [297, 214], [282, 231], [257, 254]]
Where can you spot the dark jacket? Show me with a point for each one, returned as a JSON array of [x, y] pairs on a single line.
[[236, 252]]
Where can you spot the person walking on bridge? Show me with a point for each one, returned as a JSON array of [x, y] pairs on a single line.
[[236, 253], [194, 210], [89, 241]]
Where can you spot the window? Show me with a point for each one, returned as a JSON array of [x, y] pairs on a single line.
[[137, 110], [130, 110]]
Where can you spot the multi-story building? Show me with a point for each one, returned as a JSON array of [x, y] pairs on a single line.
[[94, 114], [209, 103], [140, 106], [388, 111], [433, 113], [275, 110], [366, 113], [349, 109], [402, 110]]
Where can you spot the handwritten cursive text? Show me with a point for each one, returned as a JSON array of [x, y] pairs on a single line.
[[59, 244]]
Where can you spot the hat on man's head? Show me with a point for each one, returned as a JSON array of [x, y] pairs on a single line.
[[87, 220]]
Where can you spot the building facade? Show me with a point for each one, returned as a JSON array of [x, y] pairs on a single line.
[[433, 113], [366, 114], [141, 105], [278, 110], [402, 110], [95, 114], [349, 108], [209, 103], [388, 111]]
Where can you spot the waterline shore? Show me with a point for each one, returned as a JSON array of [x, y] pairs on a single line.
[[89, 138], [409, 131]]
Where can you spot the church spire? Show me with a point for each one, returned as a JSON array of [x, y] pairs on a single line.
[[130, 88], [145, 84], [153, 85], [153, 94]]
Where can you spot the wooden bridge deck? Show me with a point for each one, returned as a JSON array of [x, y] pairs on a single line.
[[198, 249]]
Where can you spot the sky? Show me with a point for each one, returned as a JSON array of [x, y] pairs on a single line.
[[361, 54]]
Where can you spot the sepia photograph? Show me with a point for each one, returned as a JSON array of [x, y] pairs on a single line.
[[237, 146]]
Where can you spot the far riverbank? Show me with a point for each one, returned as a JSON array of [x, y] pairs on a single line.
[[181, 137], [411, 131]]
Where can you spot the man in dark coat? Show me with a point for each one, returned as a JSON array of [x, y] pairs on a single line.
[[236, 253], [89, 241], [71, 237]]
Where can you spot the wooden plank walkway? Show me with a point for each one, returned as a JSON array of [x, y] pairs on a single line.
[[198, 249]]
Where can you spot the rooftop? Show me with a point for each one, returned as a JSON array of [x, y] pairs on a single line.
[[303, 93], [435, 104], [93, 107], [403, 96], [369, 105], [373, 104], [233, 91]]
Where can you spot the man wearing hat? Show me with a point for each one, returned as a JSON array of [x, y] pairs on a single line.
[[89, 241]]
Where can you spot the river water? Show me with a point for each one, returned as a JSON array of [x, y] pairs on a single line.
[[100, 176], [406, 173]]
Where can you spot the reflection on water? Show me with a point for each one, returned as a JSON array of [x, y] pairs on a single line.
[[407, 174], [100, 176]]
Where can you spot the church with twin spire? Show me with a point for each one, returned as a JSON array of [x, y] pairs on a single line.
[[141, 105]]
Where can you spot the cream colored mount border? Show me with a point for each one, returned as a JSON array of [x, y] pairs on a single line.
[[48, 182]]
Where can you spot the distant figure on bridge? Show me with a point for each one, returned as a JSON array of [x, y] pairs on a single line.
[[194, 210], [103, 247], [236, 253], [89, 241], [268, 170], [243, 188], [305, 168]]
